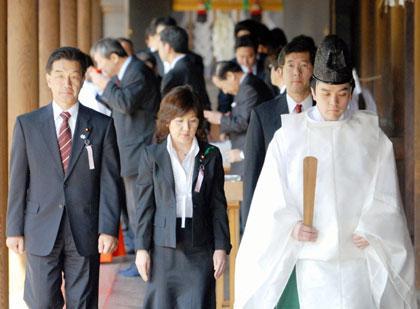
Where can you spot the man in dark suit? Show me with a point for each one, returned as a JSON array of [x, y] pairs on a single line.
[[157, 25], [65, 190], [246, 52], [173, 49], [249, 91], [295, 65], [130, 90]]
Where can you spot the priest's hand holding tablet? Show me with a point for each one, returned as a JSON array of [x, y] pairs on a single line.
[[302, 232]]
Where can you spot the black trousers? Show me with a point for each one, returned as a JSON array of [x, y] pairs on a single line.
[[44, 275]]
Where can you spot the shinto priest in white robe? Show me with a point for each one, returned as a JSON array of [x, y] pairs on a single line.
[[356, 192]]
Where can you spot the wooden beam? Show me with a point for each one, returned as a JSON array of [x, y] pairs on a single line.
[[22, 97], [416, 137], [49, 39], [84, 25], [68, 23], [4, 268], [97, 18]]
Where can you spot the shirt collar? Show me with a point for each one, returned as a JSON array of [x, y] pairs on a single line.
[[246, 69], [124, 68], [306, 103], [57, 110], [242, 78], [172, 65], [194, 150]]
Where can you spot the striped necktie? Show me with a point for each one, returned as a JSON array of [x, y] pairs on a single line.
[[64, 140]]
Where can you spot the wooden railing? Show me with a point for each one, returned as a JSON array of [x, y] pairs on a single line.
[[234, 193]]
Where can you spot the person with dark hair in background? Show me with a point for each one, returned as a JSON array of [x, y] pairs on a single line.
[[173, 49], [157, 25], [130, 90], [182, 230], [65, 191], [128, 46], [248, 91], [246, 48], [295, 66]]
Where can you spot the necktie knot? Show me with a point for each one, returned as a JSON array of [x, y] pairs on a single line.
[[65, 115], [298, 108]]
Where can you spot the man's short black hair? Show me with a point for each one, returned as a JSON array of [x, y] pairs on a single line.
[[249, 25], [223, 67], [67, 53], [278, 40], [161, 21], [246, 41], [108, 46], [176, 37], [299, 44]]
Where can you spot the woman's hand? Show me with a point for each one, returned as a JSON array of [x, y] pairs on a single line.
[[302, 232], [219, 262], [359, 241], [143, 264]]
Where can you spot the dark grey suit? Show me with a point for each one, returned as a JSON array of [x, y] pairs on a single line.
[[58, 213], [186, 72], [252, 92], [264, 122], [134, 102]]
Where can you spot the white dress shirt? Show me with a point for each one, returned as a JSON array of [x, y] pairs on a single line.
[[291, 104], [183, 177], [57, 110], [87, 97], [173, 63], [124, 68]]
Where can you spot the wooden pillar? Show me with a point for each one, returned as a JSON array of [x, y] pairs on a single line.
[[96, 21], [367, 42], [68, 23], [22, 97], [84, 25], [383, 87], [4, 287], [416, 137], [49, 39]]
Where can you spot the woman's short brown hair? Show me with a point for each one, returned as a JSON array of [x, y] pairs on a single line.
[[176, 103]]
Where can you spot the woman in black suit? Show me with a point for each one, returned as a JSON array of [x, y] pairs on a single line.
[[182, 236]]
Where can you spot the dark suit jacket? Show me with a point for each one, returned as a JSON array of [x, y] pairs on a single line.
[[186, 73], [39, 191], [196, 59], [252, 92], [156, 203], [264, 122], [134, 102]]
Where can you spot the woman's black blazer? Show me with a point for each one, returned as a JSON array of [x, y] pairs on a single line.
[[156, 202]]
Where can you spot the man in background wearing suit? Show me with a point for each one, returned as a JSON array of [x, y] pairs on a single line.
[[173, 49], [249, 91], [65, 190], [246, 55], [130, 90], [295, 64], [156, 26]]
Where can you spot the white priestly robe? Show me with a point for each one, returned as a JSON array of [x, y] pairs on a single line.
[[356, 192]]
